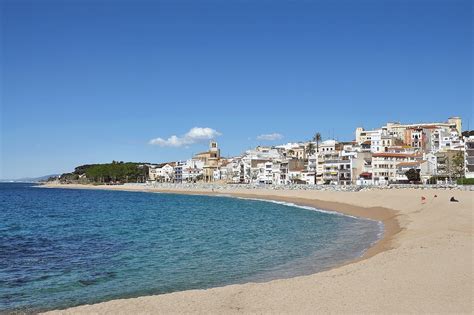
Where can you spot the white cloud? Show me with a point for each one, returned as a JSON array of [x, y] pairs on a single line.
[[270, 137], [194, 135]]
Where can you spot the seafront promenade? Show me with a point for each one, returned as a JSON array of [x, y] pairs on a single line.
[[423, 264], [348, 188], [233, 187]]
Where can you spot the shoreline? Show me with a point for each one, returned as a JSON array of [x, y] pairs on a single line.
[[395, 223]]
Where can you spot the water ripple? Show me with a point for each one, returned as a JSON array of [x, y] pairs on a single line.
[[63, 247]]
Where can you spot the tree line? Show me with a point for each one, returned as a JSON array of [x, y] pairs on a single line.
[[115, 172]]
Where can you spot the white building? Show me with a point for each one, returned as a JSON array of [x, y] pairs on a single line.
[[161, 173], [363, 135], [328, 163], [381, 141], [384, 166], [469, 157], [265, 173], [328, 146], [280, 170], [451, 141], [192, 170], [403, 167], [428, 137]]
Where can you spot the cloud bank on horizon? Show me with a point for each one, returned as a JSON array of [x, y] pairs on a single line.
[[270, 137], [194, 135]]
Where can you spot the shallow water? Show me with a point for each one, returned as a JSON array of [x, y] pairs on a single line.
[[65, 247]]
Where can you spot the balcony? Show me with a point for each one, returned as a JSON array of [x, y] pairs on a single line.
[[470, 160], [332, 161]]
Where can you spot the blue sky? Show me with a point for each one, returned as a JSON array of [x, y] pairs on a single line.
[[96, 81]]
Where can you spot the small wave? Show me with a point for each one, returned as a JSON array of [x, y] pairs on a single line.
[[291, 204], [380, 225]]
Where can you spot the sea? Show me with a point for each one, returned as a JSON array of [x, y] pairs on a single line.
[[66, 247]]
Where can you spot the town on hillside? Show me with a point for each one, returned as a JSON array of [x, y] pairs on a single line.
[[429, 153]]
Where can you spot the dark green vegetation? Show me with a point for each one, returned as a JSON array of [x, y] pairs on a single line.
[[413, 175], [109, 173], [465, 181], [458, 165]]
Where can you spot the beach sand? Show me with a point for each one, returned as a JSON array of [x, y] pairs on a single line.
[[424, 263]]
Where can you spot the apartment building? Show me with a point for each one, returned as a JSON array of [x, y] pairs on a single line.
[[328, 166], [178, 172], [297, 152], [469, 157], [281, 172], [384, 166], [420, 136], [161, 172], [334, 163], [264, 172], [420, 166], [192, 170], [399, 130], [362, 135]]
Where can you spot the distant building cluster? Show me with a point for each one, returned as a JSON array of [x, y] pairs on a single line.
[[394, 153]]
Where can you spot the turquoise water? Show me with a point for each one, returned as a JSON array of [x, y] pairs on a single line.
[[64, 247]]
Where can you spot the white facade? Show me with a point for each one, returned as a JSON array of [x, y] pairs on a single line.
[[192, 170], [328, 146], [280, 172], [451, 142], [469, 157], [363, 135], [265, 173], [431, 164], [384, 166], [164, 173]]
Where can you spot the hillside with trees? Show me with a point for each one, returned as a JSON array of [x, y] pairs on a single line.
[[109, 173]]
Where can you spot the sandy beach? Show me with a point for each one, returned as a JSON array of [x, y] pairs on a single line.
[[423, 264]]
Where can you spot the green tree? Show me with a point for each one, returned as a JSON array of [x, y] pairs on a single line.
[[413, 175], [115, 172], [458, 165], [310, 148], [317, 138]]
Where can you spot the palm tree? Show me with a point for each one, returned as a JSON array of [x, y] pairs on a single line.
[[317, 139], [310, 148]]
